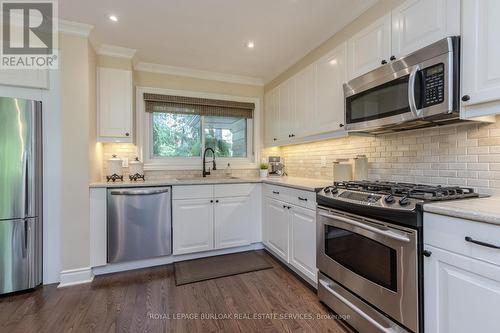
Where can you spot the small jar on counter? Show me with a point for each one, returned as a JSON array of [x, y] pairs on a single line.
[[114, 169], [361, 167], [136, 170]]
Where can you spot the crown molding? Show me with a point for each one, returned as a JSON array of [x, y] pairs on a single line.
[[75, 28], [116, 51], [198, 74]]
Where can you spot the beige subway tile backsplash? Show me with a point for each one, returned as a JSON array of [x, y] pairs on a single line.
[[466, 155]]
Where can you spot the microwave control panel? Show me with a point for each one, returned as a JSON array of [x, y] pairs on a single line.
[[433, 78]]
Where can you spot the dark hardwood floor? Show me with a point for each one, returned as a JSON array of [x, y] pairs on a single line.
[[147, 300]]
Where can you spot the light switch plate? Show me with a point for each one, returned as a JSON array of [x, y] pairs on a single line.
[[323, 161], [125, 162]]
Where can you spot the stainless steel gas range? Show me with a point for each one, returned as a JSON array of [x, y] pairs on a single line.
[[370, 251]]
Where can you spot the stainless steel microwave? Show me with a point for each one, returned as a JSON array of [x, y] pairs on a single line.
[[418, 90]]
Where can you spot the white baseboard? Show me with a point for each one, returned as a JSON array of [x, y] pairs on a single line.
[[127, 266], [76, 276]]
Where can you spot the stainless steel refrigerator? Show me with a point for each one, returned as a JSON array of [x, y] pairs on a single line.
[[20, 194]]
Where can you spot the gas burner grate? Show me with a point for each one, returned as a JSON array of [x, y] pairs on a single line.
[[417, 191]]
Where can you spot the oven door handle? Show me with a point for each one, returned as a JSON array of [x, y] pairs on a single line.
[[354, 307], [386, 233], [411, 92]]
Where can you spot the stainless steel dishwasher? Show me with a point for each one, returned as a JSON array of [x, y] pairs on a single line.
[[139, 223]]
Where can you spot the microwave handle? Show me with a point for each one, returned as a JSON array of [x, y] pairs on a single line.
[[411, 92]]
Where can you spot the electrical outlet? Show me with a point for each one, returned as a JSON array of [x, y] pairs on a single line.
[[323, 161], [125, 162]]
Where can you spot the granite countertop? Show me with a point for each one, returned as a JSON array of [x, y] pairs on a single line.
[[306, 184], [479, 209]]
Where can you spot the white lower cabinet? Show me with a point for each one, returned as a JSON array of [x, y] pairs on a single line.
[[303, 240], [461, 275], [192, 225], [233, 222], [290, 232], [277, 227], [462, 294], [208, 217]]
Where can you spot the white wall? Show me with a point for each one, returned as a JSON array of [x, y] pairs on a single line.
[[77, 66]]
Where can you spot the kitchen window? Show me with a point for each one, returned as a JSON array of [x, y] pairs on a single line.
[[178, 129]]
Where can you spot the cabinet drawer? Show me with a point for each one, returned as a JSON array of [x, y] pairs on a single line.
[[449, 233], [304, 199], [233, 190], [277, 192], [192, 191]]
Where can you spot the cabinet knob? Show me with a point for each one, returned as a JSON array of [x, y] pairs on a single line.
[[127, 134], [216, 201], [392, 58], [426, 253], [275, 139], [465, 98], [292, 135], [383, 62], [211, 201], [341, 125]]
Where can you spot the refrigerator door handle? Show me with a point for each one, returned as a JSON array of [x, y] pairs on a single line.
[[24, 185], [25, 238]]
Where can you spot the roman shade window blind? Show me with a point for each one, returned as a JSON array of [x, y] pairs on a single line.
[[197, 106]]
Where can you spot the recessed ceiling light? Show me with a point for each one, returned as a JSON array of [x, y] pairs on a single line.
[[250, 45], [113, 18], [333, 62]]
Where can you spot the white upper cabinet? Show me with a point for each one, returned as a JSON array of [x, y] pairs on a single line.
[[114, 105], [418, 23], [370, 47], [480, 56], [31, 78], [271, 116], [305, 101], [331, 72], [286, 109]]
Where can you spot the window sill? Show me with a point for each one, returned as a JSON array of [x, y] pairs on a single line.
[[222, 165]]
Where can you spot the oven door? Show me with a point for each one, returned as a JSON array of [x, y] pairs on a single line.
[[373, 260], [408, 94]]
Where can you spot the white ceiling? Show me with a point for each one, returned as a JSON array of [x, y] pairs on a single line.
[[210, 35]]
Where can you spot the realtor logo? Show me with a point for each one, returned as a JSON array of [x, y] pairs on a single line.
[[29, 34]]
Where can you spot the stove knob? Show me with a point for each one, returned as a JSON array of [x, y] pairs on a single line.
[[334, 190], [389, 199], [404, 201], [327, 189]]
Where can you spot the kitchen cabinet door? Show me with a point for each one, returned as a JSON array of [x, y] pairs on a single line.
[[330, 77], [461, 294], [286, 110], [418, 23], [480, 54], [276, 216], [369, 47], [303, 241], [305, 101], [192, 225], [271, 116], [115, 105], [32, 78], [233, 222]]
